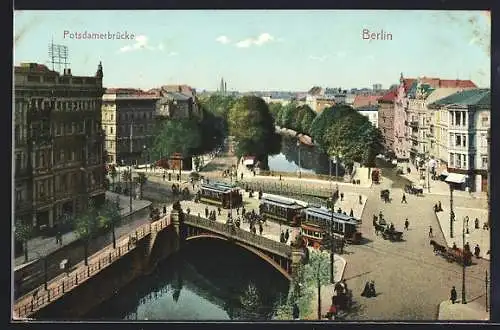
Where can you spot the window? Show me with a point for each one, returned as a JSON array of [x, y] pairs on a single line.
[[484, 162], [458, 118], [42, 159], [452, 160], [463, 140], [484, 121], [111, 129], [19, 160], [464, 161], [61, 155], [458, 140]]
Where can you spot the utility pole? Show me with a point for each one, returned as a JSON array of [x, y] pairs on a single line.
[[319, 290], [486, 283], [464, 301], [332, 248], [451, 210]]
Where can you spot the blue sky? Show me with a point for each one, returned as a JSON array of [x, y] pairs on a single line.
[[265, 49]]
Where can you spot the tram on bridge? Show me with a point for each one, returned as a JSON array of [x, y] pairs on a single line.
[[316, 222], [282, 210], [220, 194]]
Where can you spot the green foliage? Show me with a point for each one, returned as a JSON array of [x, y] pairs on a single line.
[[275, 109], [354, 137], [213, 130], [87, 223], [250, 303], [304, 116], [288, 115], [176, 136], [252, 126], [23, 232], [301, 293], [109, 214], [307, 120], [326, 119], [217, 104], [318, 268]]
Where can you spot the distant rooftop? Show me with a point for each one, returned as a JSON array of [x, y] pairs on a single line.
[[473, 97]]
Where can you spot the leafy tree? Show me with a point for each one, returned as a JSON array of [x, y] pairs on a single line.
[[252, 126], [109, 217], [141, 179], [307, 120], [213, 130], [299, 293], [23, 233], [250, 303], [198, 163], [113, 174], [217, 104], [354, 137], [288, 115], [275, 109], [317, 273], [86, 224], [302, 112]]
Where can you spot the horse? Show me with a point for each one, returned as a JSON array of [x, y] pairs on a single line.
[[438, 248], [379, 229]]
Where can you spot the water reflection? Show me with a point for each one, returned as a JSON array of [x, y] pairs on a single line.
[[208, 280], [312, 160]]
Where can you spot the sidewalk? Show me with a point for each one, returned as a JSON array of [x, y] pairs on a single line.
[[327, 290], [438, 187], [42, 246], [476, 236], [471, 311]]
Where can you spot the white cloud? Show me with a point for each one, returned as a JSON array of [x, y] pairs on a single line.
[[318, 58], [223, 40], [172, 54], [262, 39], [341, 54], [141, 42]]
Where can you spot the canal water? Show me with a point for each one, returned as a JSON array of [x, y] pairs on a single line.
[[209, 279], [312, 160]]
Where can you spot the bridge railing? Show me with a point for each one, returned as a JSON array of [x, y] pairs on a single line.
[[240, 234], [30, 303]]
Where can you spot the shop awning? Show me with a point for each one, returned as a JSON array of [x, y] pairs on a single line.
[[456, 178], [249, 162]]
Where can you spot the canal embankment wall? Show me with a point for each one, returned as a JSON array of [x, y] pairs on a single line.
[[96, 290]]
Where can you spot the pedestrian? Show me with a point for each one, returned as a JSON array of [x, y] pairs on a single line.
[[241, 175], [366, 291], [243, 211], [380, 215], [164, 209], [341, 196], [295, 312], [345, 285], [169, 176], [188, 210], [260, 228], [453, 295], [287, 235], [467, 221], [237, 211], [280, 177], [282, 237], [485, 226], [440, 208], [60, 239], [372, 292], [477, 251], [360, 200], [351, 214], [430, 232], [407, 224], [467, 247], [206, 212], [454, 247], [218, 210], [163, 176], [403, 199], [476, 223], [178, 177]]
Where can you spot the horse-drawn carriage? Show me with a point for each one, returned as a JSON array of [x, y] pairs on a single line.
[[385, 195], [392, 234], [452, 254], [414, 190]]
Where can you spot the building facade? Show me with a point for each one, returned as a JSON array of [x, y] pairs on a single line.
[[58, 145], [371, 112], [386, 119], [468, 124], [128, 119], [421, 124]]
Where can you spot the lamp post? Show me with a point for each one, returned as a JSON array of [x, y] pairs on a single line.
[[130, 185], [332, 248], [145, 157], [451, 209], [298, 147], [464, 301], [428, 175]]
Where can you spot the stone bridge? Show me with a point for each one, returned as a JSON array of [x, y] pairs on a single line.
[[137, 254], [277, 254]]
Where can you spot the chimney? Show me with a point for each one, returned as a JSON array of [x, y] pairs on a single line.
[[67, 72]]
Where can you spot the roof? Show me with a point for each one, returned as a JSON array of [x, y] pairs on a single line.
[[327, 213], [441, 93], [390, 96], [368, 108], [33, 67], [447, 83], [477, 97], [278, 200], [184, 89], [364, 100], [176, 96], [456, 178]]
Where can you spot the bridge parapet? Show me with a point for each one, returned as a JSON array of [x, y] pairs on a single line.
[[241, 235]]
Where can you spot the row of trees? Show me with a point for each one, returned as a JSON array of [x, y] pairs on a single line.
[[338, 131], [86, 225]]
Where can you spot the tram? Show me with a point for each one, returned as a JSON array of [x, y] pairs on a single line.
[[283, 210], [316, 223], [220, 194]]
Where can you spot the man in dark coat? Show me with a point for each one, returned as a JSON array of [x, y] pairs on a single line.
[[477, 251], [206, 212], [407, 224], [366, 291], [351, 214], [372, 292], [453, 295], [287, 235], [295, 311]]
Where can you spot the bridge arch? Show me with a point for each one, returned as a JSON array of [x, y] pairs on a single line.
[[255, 251]]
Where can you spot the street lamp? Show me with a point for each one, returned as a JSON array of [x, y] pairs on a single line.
[[452, 216], [464, 301], [332, 248], [130, 192], [298, 147]]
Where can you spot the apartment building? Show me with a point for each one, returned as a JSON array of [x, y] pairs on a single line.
[[469, 114], [58, 145]]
